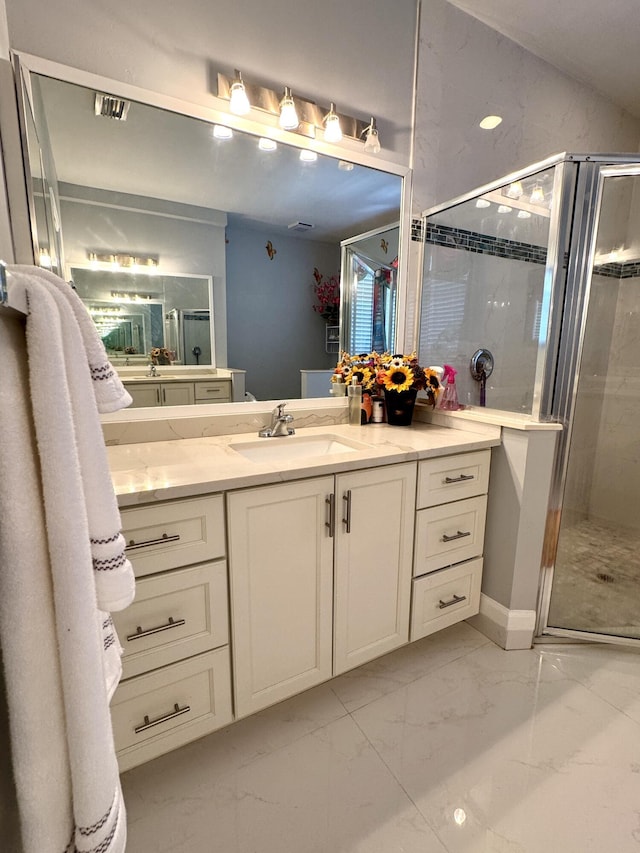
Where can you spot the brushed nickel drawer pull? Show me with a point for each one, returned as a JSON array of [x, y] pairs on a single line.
[[455, 600], [139, 634], [347, 521], [331, 524], [149, 724], [132, 546], [459, 535], [461, 479]]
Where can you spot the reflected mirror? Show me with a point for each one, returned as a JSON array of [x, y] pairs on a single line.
[[162, 214]]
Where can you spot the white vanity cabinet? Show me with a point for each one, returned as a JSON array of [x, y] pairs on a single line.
[[320, 578], [176, 683], [449, 540], [183, 393]]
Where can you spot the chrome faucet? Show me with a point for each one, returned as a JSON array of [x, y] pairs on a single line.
[[153, 370], [279, 424]]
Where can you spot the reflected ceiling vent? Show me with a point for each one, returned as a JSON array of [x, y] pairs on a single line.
[[111, 107], [300, 226]]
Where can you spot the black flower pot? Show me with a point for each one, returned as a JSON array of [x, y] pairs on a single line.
[[400, 406]]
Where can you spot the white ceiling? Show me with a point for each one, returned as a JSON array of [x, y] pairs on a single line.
[[594, 41]]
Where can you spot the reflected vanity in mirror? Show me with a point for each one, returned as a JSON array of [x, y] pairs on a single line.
[[200, 239]]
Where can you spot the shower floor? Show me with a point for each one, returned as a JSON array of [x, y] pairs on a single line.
[[596, 582]]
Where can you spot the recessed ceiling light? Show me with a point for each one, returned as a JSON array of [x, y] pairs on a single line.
[[221, 131], [308, 156], [265, 144], [490, 122], [483, 202]]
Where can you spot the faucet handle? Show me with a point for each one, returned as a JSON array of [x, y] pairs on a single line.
[[279, 410]]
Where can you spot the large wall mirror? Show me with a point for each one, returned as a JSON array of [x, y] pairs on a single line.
[[156, 214]]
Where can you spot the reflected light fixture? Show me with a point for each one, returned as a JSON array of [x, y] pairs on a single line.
[[146, 265], [483, 202], [238, 99], [490, 122], [288, 116], [503, 208], [537, 196], [221, 131], [371, 138], [265, 144], [524, 214], [345, 166], [332, 129], [308, 156], [515, 189], [45, 258]]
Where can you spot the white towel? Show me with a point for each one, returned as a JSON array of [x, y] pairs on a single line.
[[79, 570]]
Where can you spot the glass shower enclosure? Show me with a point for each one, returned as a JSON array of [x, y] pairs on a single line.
[[543, 269]]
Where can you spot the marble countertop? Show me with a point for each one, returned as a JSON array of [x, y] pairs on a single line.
[[163, 470]]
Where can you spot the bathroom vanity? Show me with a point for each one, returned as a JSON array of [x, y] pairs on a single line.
[[262, 571]]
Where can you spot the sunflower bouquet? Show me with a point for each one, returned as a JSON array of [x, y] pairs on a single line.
[[379, 372]]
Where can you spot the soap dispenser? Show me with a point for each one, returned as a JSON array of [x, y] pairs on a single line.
[[354, 393], [449, 399]]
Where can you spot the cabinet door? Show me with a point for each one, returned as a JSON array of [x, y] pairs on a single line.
[[280, 555], [373, 562], [177, 393], [144, 394]]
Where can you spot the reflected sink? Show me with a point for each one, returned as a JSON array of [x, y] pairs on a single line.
[[286, 448], [146, 376]]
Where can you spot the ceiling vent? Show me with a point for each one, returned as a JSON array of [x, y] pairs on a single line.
[[300, 226], [111, 107]]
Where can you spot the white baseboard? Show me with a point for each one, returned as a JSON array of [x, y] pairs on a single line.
[[509, 629]]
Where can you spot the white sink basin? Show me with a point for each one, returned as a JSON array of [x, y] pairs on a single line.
[[292, 447]]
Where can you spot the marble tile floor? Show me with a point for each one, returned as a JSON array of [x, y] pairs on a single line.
[[596, 578], [448, 745]]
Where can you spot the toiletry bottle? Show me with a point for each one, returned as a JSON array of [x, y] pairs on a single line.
[[354, 393], [449, 398], [377, 414], [367, 408]]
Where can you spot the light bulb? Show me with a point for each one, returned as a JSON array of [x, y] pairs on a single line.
[[371, 140], [265, 144], [238, 100], [332, 129], [308, 156], [537, 196], [288, 115], [221, 131], [483, 202], [490, 122]]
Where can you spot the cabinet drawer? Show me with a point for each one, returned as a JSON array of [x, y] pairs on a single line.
[[452, 478], [174, 616], [200, 688], [449, 533], [210, 392], [168, 535], [445, 597]]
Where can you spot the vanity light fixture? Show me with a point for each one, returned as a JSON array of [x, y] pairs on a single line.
[[371, 138], [483, 202], [332, 129], [288, 115], [524, 214], [221, 131], [145, 265], [308, 156], [266, 144], [239, 100], [503, 208], [490, 122], [515, 189], [537, 196]]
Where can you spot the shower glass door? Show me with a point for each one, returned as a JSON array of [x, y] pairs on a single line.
[[596, 577]]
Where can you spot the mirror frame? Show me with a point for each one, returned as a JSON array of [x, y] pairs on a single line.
[[26, 64]]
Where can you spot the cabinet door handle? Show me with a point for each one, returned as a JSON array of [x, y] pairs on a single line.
[[149, 724], [158, 396], [164, 394], [331, 524], [459, 535], [461, 479], [455, 600], [133, 546], [347, 521], [172, 623]]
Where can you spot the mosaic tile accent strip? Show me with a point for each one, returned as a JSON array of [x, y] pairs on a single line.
[[417, 231], [630, 269], [484, 244]]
